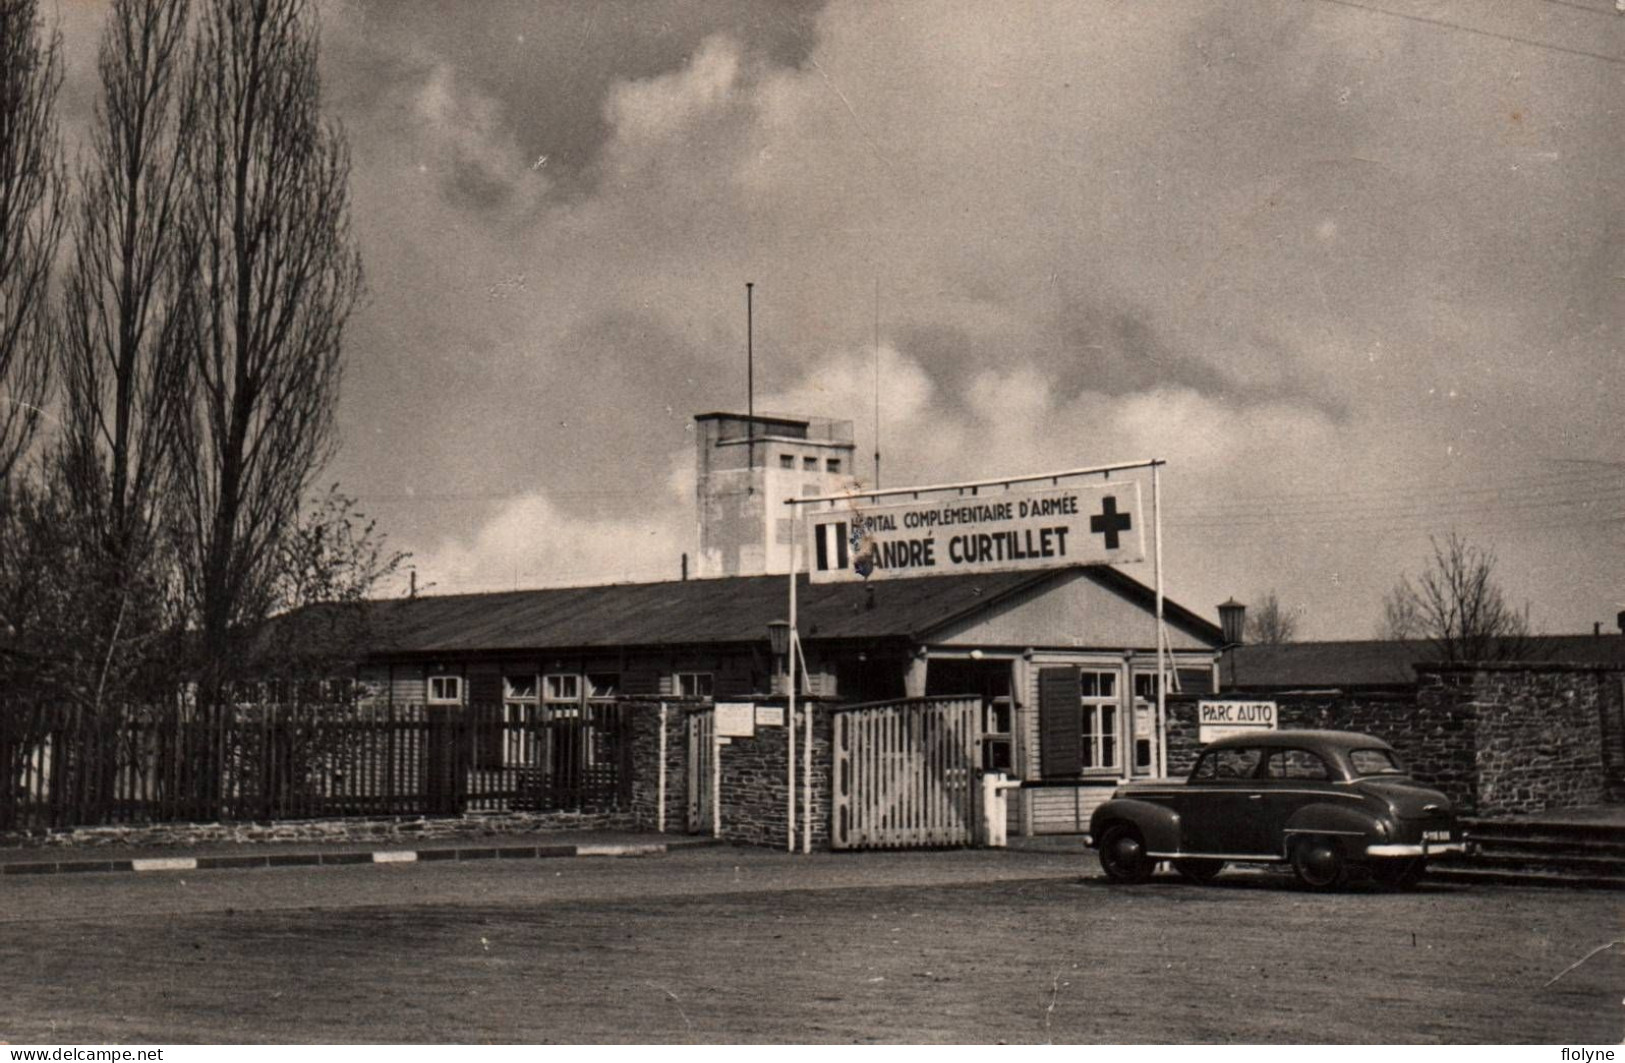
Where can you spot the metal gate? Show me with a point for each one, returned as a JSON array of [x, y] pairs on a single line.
[[702, 750], [906, 774]]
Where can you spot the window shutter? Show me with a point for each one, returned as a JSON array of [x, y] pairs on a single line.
[[1060, 736]]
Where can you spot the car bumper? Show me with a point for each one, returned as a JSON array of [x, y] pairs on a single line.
[[1421, 849]]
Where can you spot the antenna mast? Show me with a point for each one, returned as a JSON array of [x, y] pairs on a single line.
[[877, 382], [750, 382]]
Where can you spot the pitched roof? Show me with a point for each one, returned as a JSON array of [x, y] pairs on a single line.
[[727, 610], [1374, 662]]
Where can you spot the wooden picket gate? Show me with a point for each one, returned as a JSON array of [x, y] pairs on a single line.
[[906, 774]]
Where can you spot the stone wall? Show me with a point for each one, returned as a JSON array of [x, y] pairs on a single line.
[[397, 830], [753, 777], [1497, 739], [646, 721], [1540, 732]]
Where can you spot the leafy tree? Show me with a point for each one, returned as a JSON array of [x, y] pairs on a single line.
[[1271, 624], [1458, 608]]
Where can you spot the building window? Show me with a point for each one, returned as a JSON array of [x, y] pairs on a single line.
[[519, 721], [787, 461], [809, 464], [603, 685], [1099, 720], [833, 465], [693, 684], [445, 690], [998, 752], [561, 687]]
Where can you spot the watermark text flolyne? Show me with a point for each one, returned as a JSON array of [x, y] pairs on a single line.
[[1588, 1055]]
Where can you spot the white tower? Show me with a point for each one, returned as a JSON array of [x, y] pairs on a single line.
[[745, 476]]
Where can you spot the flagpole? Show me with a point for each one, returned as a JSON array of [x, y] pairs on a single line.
[[1162, 672], [790, 712]]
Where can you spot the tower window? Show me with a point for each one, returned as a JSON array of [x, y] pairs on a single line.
[[833, 465], [787, 461], [809, 464]]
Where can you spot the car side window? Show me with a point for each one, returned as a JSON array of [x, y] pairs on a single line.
[[1296, 764], [1227, 764]]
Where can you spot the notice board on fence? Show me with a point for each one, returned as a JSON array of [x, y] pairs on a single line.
[[735, 719]]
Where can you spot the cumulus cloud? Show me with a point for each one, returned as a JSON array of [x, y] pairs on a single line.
[[1262, 241], [532, 540]]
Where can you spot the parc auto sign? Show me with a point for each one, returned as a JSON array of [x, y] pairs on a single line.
[[1215, 719], [1085, 524]]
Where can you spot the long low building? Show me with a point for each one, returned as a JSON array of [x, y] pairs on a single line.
[[1063, 660]]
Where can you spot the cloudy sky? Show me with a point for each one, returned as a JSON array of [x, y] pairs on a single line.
[[1355, 270]]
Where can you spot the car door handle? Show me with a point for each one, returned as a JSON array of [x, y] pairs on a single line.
[[1255, 797]]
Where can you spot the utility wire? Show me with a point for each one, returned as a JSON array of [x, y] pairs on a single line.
[[1512, 38]]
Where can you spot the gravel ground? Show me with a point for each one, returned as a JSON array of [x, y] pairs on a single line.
[[720, 945]]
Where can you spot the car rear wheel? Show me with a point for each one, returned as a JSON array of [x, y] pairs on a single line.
[[1123, 856], [1400, 873], [1200, 872], [1319, 863]]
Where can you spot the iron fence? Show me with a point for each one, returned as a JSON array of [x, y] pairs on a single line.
[[68, 766]]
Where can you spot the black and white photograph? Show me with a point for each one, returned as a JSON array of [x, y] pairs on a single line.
[[892, 522]]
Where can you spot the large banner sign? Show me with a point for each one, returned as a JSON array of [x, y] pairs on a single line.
[[1093, 523]]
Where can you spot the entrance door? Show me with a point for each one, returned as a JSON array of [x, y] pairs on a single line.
[[990, 682], [1143, 738], [702, 750]]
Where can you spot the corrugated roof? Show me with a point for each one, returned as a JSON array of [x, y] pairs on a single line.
[[1301, 665], [727, 610]]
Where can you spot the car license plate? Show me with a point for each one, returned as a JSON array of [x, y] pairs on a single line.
[[1435, 835]]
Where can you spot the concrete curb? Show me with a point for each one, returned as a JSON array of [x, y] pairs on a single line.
[[148, 865]]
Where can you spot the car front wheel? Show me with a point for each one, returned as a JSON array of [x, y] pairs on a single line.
[[1123, 856], [1200, 872], [1319, 863]]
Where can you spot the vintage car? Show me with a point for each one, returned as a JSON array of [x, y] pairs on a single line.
[[1330, 803]]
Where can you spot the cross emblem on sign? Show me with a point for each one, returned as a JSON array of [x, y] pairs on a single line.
[[1109, 522]]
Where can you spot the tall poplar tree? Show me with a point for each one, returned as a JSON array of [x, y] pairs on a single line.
[[32, 181], [276, 279]]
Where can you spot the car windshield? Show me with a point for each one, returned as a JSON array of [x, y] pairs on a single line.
[[1375, 762]]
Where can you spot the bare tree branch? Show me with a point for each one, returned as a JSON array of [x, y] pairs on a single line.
[[1270, 623], [32, 183], [1458, 608], [124, 367], [277, 278]]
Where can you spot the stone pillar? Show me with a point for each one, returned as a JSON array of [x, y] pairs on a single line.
[[914, 678]]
